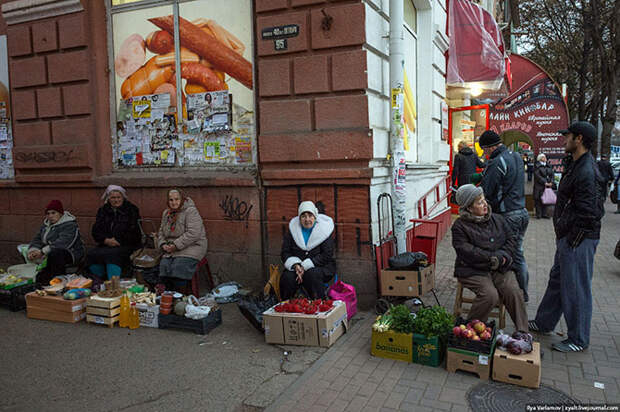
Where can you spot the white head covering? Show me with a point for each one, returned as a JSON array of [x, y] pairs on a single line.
[[113, 188], [540, 156], [307, 206]]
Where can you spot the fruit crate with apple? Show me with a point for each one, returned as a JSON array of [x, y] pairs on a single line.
[[474, 336]]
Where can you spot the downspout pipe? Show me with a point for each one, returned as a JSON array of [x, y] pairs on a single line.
[[397, 151]]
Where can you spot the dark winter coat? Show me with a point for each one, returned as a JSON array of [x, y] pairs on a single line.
[[319, 252], [542, 174], [481, 245], [580, 199], [465, 163], [503, 181], [120, 223], [604, 166], [64, 234]]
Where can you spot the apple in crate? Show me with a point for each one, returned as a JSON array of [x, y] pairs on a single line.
[[468, 333], [486, 335], [457, 331], [480, 327], [475, 337]]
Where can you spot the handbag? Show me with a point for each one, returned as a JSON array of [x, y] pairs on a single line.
[[548, 197], [346, 293]]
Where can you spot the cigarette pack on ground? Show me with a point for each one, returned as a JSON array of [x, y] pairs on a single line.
[[320, 329], [522, 370], [55, 308]]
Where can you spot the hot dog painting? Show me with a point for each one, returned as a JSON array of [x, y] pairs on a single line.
[[215, 52]]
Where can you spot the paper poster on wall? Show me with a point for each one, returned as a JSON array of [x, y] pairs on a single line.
[[6, 136], [216, 69]]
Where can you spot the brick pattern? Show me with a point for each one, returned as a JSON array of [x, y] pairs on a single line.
[[51, 93], [348, 378], [315, 83]]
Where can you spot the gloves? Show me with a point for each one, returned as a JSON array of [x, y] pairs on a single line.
[[495, 261]]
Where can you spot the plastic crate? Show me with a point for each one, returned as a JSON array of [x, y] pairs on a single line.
[[199, 326], [15, 298], [478, 346]]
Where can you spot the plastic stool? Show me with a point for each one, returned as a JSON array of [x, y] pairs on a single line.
[[196, 278], [498, 312]]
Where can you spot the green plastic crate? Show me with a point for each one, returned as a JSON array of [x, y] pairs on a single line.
[[428, 351]]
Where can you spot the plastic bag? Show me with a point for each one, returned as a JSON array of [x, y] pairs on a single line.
[[548, 197], [346, 293], [252, 307], [408, 261], [226, 292], [193, 310]]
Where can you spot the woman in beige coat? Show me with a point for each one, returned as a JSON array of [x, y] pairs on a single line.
[[182, 238]]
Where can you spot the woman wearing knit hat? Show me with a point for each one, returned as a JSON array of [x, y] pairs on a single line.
[[484, 247], [58, 240], [117, 233], [307, 253]]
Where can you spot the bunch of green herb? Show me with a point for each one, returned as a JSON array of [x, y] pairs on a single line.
[[433, 321], [402, 320]]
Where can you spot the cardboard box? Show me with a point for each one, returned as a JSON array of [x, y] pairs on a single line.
[[522, 370], [460, 359], [55, 308], [392, 345], [149, 315], [427, 351], [321, 329], [407, 282]]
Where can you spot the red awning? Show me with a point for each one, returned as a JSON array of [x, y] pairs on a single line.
[[476, 53]]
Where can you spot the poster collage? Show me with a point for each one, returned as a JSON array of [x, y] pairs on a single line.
[[6, 137]]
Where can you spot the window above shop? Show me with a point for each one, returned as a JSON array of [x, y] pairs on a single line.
[[182, 83]]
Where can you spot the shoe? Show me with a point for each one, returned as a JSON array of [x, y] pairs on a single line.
[[567, 346], [533, 327]]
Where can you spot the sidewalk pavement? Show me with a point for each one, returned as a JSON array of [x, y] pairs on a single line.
[[348, 378]]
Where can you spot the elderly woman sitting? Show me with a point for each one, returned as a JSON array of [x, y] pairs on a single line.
[[182, 238], [484, 245], [307, 253], [117, 233], [58, 240]]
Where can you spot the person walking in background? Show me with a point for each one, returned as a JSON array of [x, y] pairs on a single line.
[[543, 178], [606, 171], [465, 163], [503, 182], [616, 182], [529, 162], [577, 223]]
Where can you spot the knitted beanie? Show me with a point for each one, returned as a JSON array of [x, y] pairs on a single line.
[[466, 195], [55, 205], [488, 139]]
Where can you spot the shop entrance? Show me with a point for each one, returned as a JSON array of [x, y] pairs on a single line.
[[466, 124]]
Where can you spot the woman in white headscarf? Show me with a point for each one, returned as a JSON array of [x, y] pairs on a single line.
[[307, 253], [117, 233]]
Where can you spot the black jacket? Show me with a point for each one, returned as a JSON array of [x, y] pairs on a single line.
[[318, 252], [481, 245], [120, 223], [64, 234], [606, 170], [542, 174], [465, 163], [580, 198], [503, 181]]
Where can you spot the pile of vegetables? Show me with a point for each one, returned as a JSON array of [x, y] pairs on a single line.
[[433, 321], [303, 305]]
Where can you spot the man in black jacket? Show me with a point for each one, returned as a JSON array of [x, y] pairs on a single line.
[[577, 223], [503, 182], [606, 171]]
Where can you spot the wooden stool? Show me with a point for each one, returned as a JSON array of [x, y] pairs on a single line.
[[204, 263], [498, 312]]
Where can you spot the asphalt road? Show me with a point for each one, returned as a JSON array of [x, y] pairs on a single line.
[[51, 366]]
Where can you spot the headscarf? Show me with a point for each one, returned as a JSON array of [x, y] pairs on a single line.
[[113, 188], [540, 156], [171, 215]]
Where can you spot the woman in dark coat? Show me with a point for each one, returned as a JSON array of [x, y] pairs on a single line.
[[117, 233], [484, 246], [543, 178], [465, 163], [307, 253]]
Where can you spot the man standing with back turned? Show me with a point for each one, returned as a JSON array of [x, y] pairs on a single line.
[[577, 222], [503, 183]]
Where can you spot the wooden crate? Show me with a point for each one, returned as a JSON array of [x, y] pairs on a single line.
[[102, 320], [103, 311]]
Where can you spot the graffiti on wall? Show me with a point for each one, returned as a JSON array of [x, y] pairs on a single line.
[[235, 209]]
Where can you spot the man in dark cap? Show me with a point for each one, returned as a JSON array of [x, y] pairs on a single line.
[[503, 182], [577, 223]]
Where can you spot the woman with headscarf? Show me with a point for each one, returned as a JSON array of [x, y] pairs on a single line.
[[543, 178], [58, 240], [117, 233], [307, 253], [485, 246], [182, 238]]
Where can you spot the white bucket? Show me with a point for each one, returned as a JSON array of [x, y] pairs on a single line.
[[26, 270]]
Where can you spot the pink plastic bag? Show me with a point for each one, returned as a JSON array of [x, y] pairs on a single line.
[[346, 293], [548, 197]]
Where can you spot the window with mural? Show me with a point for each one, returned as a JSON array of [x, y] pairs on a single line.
[[183, 83], [410, 99]]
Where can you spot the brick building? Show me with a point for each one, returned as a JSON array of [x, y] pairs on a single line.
[[321, 125]]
